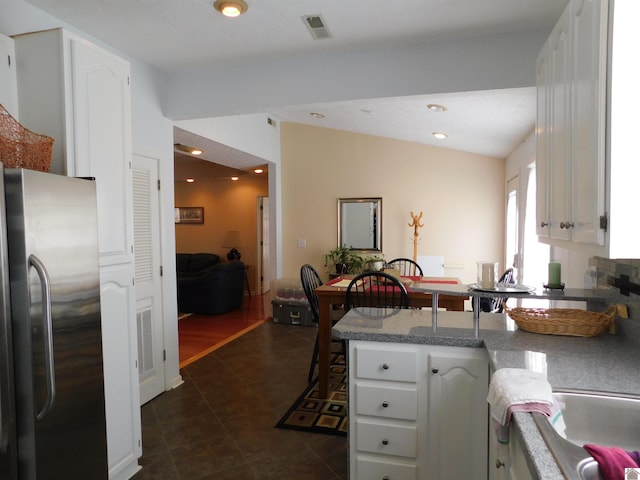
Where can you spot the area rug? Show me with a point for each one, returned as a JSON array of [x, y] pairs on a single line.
[[309, 413]]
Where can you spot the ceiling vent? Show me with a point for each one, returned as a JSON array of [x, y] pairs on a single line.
[[316, 26]]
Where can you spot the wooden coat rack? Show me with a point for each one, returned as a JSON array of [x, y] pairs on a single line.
[[415, 224]]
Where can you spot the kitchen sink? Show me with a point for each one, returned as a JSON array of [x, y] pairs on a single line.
[[605, 419]]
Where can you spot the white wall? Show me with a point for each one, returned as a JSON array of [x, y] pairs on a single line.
[[460, 194]]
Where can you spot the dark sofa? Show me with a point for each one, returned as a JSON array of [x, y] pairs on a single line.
[[207, 285]]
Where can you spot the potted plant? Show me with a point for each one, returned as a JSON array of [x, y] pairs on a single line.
[[374, 263], [343, 259]]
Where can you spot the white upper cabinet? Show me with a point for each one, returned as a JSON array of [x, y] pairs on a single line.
[[80, 95], [8, 81], [571, 73]]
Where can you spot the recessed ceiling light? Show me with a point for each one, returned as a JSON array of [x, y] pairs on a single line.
[[258, 170], [187, 149], [316, 115], [191, 180], [231, 8], [440, 135], [235, 179], [435, 107]]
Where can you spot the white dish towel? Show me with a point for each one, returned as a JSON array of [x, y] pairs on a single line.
[[518, 389]]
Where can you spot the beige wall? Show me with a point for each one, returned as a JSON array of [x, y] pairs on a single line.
[[461, 195], [227, 206]]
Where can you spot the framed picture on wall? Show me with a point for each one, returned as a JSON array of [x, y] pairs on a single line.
[[189, 215]]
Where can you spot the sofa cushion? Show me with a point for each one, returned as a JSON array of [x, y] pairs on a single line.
[[188, 264], [203, 261]]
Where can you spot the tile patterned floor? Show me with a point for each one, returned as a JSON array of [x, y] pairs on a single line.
[[220, 423]]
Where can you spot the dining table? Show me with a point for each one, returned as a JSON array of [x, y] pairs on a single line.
[[334, 292]]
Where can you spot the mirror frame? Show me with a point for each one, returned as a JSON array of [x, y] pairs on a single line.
[[376, 203]]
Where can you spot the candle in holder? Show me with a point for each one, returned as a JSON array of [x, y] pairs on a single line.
[[554, 274], [487, 274]]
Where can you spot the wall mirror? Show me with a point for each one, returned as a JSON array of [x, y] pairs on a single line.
[[360, 223]]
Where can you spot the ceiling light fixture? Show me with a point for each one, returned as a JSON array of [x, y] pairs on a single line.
[[231, 8], [440, 135], [235, 179], [186, 149], [258, 170], [316, 115], [435, 107], [191, 180]]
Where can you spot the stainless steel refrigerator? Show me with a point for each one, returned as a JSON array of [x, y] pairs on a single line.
[[51, 374]]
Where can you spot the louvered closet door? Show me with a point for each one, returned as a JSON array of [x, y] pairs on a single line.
[[146, 228]]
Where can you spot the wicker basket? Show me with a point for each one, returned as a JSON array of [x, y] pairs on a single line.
[[562, 321], [22, 148]]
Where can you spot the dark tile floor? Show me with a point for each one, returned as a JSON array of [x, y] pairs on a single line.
[[220, 423]]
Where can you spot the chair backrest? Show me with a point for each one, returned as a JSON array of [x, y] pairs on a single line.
[[408, 267], [505, 278], [496, 305], [376, 289], [310, 281]]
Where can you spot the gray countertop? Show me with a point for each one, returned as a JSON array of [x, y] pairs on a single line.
[[604, 363]]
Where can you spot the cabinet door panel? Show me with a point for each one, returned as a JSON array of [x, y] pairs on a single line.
[[102, 129], [458, 415], [588, 119], [543, 110], [122, 392], [8, 79], [559, 128]]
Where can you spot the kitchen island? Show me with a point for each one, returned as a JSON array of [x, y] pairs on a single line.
[[604, 363]]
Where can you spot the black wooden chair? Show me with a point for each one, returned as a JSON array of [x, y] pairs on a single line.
[[408, 268], [496, 305], [310, 281], [376, 289]]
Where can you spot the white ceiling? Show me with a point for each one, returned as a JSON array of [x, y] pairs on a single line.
[[183, 35]]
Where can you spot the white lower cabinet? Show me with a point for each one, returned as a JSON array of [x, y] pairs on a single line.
[[417, 411], [518, 468], [507, 461]]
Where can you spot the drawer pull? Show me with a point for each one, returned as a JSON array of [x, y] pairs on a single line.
[[499, 463], [435, 370], [385, 404], [385, 366], [385, 441], [386, 477]]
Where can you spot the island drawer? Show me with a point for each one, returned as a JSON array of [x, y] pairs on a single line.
[[387, 401], [386, 363], [386, 438]]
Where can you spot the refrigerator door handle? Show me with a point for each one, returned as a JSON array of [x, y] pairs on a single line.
[[47, 327]]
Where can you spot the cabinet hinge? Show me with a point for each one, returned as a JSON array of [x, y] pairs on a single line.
[[128, 80], [164, 355], [9, 60], [604, 222], [161, 271], [133, 280], [158, 184]]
